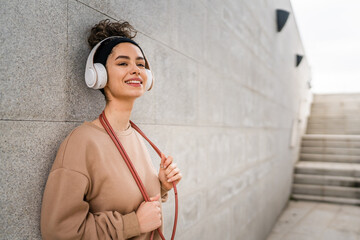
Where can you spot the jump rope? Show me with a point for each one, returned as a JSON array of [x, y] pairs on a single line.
[[105, 123]]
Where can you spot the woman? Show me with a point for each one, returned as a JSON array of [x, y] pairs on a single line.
[[90, 192]]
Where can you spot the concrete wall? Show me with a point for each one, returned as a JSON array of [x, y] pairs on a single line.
[[227, 102]]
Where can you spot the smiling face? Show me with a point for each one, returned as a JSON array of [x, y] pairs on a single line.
[[126, 72]]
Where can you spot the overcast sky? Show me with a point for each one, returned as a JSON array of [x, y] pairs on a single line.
[[330, 32]]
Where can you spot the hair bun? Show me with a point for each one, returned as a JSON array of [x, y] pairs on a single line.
[[105, 29]]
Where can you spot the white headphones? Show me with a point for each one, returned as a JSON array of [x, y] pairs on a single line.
[[96, 75]]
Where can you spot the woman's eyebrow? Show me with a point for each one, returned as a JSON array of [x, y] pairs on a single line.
[[127, 57], [122, 56]]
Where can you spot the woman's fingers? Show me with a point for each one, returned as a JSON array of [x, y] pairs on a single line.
[[169, 172], [175, 178], [173, 173], [155, 198], [170, 168], [168, 161], [149, 215], [163, 159]]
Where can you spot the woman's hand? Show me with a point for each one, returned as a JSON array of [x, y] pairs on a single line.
[[149, 215], [168, 173]]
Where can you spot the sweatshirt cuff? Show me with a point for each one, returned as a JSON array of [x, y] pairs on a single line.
[[131, 225]]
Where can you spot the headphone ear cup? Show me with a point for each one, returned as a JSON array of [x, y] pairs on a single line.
[[149, 81], [101, 76], [90, 77]]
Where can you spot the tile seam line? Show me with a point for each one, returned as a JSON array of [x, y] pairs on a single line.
[[67, 78], [168, 46], [37, 120], [94, 9], [148, 124]]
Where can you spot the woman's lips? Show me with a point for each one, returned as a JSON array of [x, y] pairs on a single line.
[[134, 83]]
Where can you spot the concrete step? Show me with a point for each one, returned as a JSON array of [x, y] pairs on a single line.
[[335, 107], [327, 180], [343, 125], [336, 104], [324, 120], [335, 114], [328, 168], [339, 129], [337, 200], [347, 118], [341, 120], [328, 137], [329, 158], [329, 191], [332, 151], [330, 144], [338, 97], [335, 128], [333, 131]]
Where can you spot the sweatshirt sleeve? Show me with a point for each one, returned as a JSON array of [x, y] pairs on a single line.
[[65, 214]]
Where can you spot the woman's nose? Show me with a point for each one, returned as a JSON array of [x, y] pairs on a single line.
[[135, 70]]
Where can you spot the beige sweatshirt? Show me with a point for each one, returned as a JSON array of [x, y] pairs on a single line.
[[90, 192]]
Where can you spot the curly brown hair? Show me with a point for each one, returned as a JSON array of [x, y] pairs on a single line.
[[106, 28]]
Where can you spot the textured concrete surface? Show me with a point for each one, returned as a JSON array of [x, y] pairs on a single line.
[[321, 221], [33, 60], [226, 103], [27, 150]]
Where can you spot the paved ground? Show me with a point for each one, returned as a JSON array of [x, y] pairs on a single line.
[[304, 220]]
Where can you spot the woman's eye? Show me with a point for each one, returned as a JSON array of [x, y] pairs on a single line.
[[122, 64], [141, 65]]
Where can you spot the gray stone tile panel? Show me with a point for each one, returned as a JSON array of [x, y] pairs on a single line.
[[153, 20], [216, 219], [83, 103], [176, 88], [211, 97], [194, 212], [189, 18], [28, 149], [33, 57], [237, 104]]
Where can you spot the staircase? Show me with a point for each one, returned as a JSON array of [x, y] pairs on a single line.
[[329, 166]]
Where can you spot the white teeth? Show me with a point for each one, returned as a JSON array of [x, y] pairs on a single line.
[[134, 81]]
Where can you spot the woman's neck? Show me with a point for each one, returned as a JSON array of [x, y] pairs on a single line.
[[118, 113]]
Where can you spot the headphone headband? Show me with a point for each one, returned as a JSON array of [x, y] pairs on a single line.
[[104, 50]]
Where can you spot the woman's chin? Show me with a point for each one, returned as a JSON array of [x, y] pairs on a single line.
[[129, 94]]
